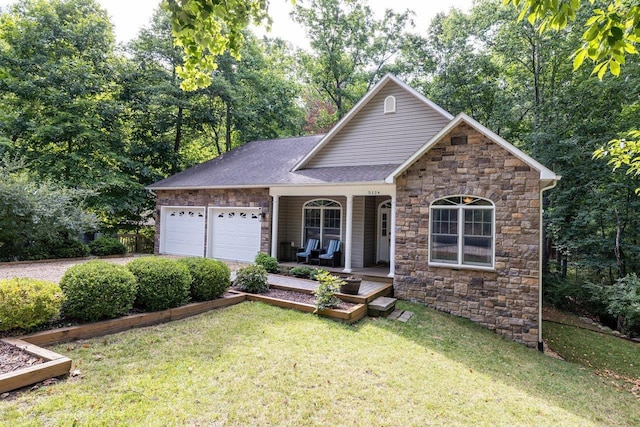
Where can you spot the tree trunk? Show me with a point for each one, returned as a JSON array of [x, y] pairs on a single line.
[[618, 248], [178, 140], [228, 126]]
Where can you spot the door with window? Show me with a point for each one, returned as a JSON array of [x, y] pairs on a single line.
[[384, 231]]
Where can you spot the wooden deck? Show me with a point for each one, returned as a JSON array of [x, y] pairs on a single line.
[[369, 289]]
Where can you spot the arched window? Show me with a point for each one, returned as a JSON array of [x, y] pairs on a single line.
[[322, 221], [390, 104], [462, 232]]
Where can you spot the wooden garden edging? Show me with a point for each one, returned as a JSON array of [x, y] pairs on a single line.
[[352, 315], [54, 366], [58, 365]]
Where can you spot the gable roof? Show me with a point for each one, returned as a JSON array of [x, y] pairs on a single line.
[[268, 163], [306, 160], [545, 173]]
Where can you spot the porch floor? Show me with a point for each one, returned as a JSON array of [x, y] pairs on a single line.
[[378, 273], [369, 289]]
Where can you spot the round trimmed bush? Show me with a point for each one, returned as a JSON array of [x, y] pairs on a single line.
[[268, 262], [210, 278], [25, 303], [98, 290], [252, 278], [105, 245], [162, 283]]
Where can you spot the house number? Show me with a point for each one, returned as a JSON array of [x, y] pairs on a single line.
[[373, 193]]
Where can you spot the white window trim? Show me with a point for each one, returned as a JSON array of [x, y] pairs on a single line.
[[322, 208], [461, 208], [390, 104]]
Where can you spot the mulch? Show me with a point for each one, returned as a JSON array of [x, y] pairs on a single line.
[[301, 297], [13, 358]]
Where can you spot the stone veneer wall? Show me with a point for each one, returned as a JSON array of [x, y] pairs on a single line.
[[249, 198], [504, 300]]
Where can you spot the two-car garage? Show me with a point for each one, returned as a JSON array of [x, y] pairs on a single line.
[[231, 233]]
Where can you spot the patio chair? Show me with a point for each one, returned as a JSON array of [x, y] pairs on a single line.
[[305, 253], [331, 253]]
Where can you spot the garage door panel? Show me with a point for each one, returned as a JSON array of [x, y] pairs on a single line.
[[235, 233], [183, 231]]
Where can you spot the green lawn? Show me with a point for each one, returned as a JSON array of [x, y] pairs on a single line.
[[254, 364]]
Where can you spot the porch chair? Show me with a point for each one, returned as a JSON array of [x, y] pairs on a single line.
[[331, 253], [305, 253]]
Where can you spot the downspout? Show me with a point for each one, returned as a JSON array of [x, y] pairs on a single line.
[[540, 261]]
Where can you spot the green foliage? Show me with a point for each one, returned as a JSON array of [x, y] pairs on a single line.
[[98, 290], [252, 278], [611, 31], [25, 303], [268, 262], [325, 294], [313, 275], [205, 30], [105, 245], [210, 278], [39, 219], [351, 48], [162, 283], [624, 304], [301, 271]]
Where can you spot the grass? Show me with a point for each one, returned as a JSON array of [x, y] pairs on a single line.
[[602, 352], [254, 364]]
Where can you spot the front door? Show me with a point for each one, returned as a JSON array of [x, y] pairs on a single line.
[[384, 231]]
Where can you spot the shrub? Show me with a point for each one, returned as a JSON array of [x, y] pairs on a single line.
[[624, 303], [162, 283], [98, 290], [313, 275], [25, 303], [300, 271], [60, 248], [210, 278], [252, 278], [268, 262], [327, 288], [105, 245]]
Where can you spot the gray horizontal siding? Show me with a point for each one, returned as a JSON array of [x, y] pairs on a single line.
[[375, 138]]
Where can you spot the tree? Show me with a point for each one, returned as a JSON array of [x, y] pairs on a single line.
[[351, 49], [612, 33], [39, 219], [59, 97], [206, 29]]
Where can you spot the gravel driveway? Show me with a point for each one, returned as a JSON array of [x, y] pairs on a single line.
[[54, 270]]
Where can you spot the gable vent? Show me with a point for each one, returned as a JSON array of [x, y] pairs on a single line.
[[390, 104]]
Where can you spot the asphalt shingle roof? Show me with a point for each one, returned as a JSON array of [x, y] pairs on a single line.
[[269, 162]]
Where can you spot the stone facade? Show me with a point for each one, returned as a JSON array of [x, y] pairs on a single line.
[[248, 198], [505, 299]]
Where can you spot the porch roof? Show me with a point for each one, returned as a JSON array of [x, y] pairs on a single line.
[[268, 163]]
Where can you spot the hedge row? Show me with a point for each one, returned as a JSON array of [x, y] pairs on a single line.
[[98, 290]]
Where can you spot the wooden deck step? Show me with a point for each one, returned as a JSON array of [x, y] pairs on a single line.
[[381, 307]]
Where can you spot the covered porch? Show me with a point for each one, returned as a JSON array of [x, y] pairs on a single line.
[[362, 218]]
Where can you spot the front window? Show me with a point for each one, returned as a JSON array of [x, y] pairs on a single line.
[[322, 220], [462, 232]]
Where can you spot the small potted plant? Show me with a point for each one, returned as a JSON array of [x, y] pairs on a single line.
[[351, 285]]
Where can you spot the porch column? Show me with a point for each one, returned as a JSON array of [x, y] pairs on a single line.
[[347, 242], [392, 243], [274, 226]]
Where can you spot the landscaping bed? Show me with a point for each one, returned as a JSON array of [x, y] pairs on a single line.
[[305, 302], [13, 358]]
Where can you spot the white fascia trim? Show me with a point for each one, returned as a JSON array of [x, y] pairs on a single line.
[[353, 189], [545, 173], [205, 187], [363, 101]]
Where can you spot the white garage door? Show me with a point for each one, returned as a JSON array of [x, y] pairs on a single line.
[[183, 231], [234, 233]]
